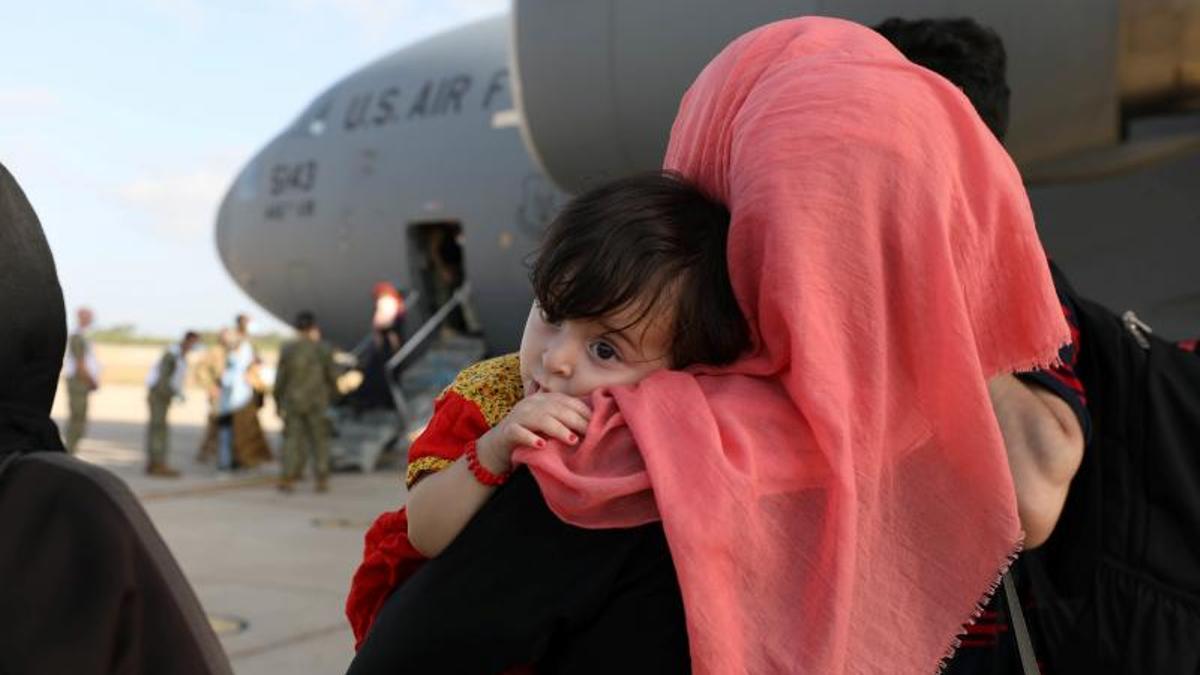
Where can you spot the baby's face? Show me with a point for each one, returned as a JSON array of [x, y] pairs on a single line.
[[578, 356]]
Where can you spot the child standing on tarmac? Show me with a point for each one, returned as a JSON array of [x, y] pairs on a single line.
[[631, 279]]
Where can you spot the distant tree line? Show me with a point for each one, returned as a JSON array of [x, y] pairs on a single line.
[[127, 334]]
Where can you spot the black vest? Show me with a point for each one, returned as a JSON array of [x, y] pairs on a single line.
[[1117, 585]]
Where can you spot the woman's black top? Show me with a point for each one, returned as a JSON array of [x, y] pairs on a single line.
[[521, 587]]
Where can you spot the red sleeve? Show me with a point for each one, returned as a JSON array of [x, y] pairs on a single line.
[[388, 559], [456, 422], [388, 556], [485, 391]]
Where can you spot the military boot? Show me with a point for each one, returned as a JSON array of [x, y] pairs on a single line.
[[161, 471]]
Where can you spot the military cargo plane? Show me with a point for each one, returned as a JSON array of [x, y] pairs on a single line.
[[458, 149]]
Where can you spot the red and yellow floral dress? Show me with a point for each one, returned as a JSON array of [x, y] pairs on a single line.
[[478, 398]]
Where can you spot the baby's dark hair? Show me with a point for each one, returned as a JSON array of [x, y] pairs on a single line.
[[645, 242]]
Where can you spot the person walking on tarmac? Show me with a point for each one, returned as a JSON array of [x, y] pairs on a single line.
[[82, 373], [165, 382], [305, 383]]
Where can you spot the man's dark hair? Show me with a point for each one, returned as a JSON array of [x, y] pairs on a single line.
[[305, 320], [191, 335], [963, 51], [644, 243]]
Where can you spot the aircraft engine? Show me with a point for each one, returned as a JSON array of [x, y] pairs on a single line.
[[598, 83]]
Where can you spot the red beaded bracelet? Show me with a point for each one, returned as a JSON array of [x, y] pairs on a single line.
[[481, 472]]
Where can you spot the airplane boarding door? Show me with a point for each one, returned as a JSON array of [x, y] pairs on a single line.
[[436, 268]]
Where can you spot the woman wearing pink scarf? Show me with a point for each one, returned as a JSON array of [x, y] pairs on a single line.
[[837, 501]]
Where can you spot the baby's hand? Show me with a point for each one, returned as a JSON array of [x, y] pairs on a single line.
[[542, 415]]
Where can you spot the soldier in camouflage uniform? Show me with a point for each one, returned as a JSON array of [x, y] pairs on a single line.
[[82, 375], [305, 383], [165, 382]]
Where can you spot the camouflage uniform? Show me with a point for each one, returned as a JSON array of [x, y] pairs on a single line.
[[161, 392], [304, 386], [78, 388]]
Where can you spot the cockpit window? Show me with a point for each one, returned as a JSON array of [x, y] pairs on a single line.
[[318, 121], [315, 121]]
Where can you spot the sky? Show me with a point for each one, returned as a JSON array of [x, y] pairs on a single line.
[[125, 121]]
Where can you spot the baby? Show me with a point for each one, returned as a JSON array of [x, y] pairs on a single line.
[[631, 278]]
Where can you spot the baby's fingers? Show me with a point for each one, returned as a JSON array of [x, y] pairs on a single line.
[[570, 411], [558, 401], [578, 406], [550, 426], [570, 419], [520, 436]]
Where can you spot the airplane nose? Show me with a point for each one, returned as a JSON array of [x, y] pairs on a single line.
[[223, 233], [232, 218]]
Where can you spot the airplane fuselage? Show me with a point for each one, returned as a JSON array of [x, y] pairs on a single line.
[[432, 140]]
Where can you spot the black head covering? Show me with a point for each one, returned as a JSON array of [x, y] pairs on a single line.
[[33, 329]]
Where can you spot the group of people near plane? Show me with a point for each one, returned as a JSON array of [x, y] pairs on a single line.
[[228, 371], [231, 373], [793, 404]]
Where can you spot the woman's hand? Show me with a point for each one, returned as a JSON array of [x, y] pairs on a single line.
[[529, 423]]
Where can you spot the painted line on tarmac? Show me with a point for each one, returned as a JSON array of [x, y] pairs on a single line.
[[298, 638], [207, 488]]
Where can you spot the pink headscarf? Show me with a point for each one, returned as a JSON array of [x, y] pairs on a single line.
[[838, 501]]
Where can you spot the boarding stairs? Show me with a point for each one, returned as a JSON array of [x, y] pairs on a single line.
[[424, 365]]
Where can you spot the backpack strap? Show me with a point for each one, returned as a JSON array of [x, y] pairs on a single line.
[[1020, 631]]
